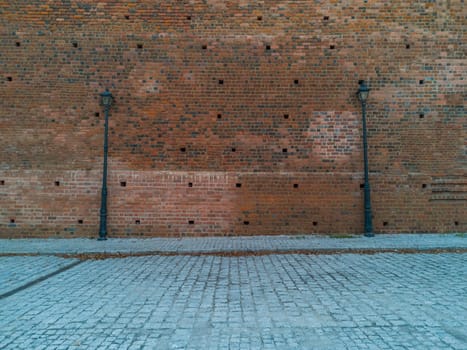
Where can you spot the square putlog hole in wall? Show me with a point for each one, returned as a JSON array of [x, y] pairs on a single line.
[[123, 183], [9, 78], [421, 81], [268, 47], [326, 18], [332, 47], [191, 222], [12, 221], [75, 44], [238, 185], [190, 184], [286, 116], [137, 221], [57, 183], [221, 81], [295, 81], [18, 44], [183, 149], [246, 222], [295, 185], [139, 46], [259, 18], [2, 182], [80, 221]]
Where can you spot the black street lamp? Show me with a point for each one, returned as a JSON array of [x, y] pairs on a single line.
[[363, 92], [106, 100]]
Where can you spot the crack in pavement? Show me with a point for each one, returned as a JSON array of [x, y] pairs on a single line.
[[40, 279]]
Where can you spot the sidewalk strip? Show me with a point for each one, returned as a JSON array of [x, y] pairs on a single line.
[[40, 279]]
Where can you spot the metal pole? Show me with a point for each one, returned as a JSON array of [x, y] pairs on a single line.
[[367, 200], [103, 211]]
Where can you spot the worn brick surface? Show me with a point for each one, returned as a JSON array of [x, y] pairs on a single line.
[[232, 117]]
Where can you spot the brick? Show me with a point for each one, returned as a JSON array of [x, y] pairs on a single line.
[[289, 77]]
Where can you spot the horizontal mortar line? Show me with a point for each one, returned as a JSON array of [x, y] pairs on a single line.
[[119, 173], [189, 173], [40, 279], [448, 184], [440, 192], [447, 199]]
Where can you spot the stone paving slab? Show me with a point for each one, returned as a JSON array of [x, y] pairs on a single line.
[[19, 271], [223, 244], [346, 301]]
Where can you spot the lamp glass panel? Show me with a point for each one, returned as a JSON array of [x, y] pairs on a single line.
[[106, 99], [363, 95]]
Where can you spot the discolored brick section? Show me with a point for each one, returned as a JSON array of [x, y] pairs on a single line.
[[220, 93]]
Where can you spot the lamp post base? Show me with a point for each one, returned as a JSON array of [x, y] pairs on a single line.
[[369, 234], [102, 239]]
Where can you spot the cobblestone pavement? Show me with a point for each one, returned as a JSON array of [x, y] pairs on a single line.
[[345, 301], [16, 272], [216, 244]]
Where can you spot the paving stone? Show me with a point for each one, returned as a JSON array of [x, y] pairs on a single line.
[[381, 301], [231, 244], [17, 271]]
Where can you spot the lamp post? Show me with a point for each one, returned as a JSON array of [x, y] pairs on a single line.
[[106, 100], [363, 92]]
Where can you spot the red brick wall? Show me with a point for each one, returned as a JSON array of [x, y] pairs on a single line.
[[232, 117]]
